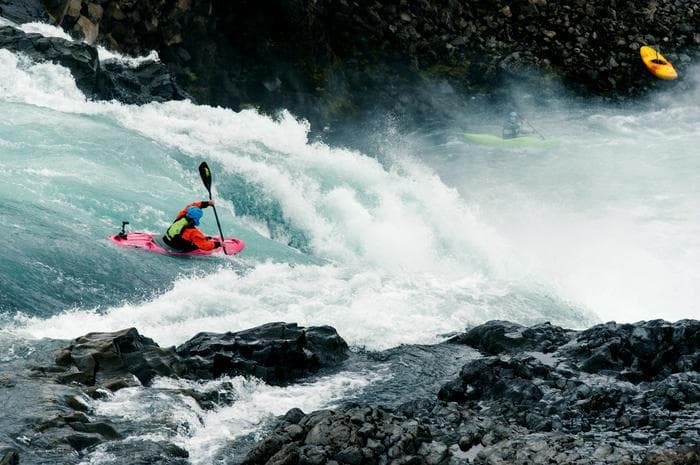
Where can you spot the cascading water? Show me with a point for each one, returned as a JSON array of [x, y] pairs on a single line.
[[400, 246]]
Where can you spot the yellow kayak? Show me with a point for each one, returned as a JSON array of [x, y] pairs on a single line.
[[657, 64]]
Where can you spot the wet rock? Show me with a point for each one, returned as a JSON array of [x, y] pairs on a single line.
[[80, 58], [644, 351], [333, 436], [583, 391], [143, 451], [118, 359], [521, 406], [294, 416], [276, 352], [23, 11], [496, 378], [148, 82], [144, 83], [9, 456], [496, 337]]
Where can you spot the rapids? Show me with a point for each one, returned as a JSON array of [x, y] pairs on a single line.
[[417, 237]]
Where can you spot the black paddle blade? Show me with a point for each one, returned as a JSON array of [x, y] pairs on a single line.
[[205, 173]]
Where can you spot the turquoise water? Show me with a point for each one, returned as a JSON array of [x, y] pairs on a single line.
[[418, 239], [376, 245]]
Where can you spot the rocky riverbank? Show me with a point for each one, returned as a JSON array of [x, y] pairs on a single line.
[[327, 60], [611, 394]]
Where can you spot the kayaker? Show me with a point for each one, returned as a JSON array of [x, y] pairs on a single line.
[[183, 234], [512, 127]]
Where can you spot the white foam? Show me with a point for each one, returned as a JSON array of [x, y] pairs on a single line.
[[369, 308], [46, 30], [104, 54], [132, 62], [163, 414]]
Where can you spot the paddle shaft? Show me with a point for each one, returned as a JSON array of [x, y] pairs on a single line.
[[535, 129], [223, 244], [205, 174]]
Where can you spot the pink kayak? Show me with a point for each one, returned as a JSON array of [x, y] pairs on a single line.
[[153, 243]]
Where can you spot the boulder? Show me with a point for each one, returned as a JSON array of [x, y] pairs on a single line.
[[495, 378], [275, 352], [115, 360], [497, 337]]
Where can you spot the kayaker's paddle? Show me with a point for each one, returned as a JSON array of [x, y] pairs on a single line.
[[534, 129], [205, 173]]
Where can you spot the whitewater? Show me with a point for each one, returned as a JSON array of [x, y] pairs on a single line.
[[403, 244]]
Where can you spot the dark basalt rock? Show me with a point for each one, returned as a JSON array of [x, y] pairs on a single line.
[[9, 456], [145, 83], [145, 451], [546, 393], [148, 82], [80, 58], [494, 378], [497, 337], [331, 60], [328, 59], [112, 360], [94, 364], [352, 435], [22, 11], [647, 351], [275, 352], [536, 406]]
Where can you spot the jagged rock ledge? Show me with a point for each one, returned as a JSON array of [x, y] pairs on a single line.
[[612, 394]]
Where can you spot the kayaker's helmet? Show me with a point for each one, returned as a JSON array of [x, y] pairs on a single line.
[[513, 116], [195, 214]]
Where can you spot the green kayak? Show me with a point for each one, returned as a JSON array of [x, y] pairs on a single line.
[[517, 142]]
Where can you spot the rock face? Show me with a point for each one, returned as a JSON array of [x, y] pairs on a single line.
[[613, 392], [497, 337], [327, 58], [9, 456], [650, 351]]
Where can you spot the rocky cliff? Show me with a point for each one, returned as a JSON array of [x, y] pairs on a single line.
[[305, 53], [325, 59]]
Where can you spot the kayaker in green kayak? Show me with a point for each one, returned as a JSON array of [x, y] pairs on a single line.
[[512, 127]]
